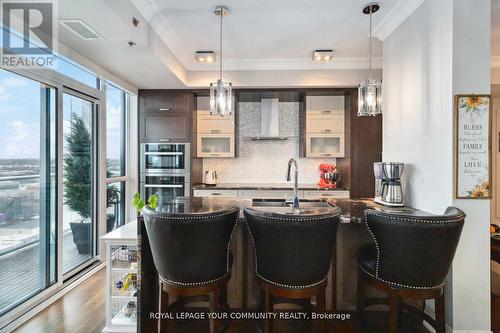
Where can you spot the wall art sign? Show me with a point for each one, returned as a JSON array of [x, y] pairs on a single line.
[[472, 147]]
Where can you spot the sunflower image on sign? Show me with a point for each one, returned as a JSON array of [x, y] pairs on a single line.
[[480, 191], [473, 103], [472, 142]]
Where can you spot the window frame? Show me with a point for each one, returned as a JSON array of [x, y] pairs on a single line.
[[63, 83], [126, 155]]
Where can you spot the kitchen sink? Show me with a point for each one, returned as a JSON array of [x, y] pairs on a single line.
[[303, 203], [314, 204], [271, 203]]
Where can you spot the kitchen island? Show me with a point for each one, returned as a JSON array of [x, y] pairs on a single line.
[[242, 289]]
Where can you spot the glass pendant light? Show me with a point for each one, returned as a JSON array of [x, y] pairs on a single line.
[[370, 91], [221, 96]]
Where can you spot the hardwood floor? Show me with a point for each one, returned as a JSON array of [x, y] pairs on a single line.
[[82, 310], [19, 270], [495, 313]]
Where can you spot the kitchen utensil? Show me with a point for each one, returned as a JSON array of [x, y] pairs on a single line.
[[210, 177], [329, 176], [389, 192]]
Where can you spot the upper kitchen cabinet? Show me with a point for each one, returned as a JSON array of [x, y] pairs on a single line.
[[325, 126], [215, 134], [160, 101], [165, 116]]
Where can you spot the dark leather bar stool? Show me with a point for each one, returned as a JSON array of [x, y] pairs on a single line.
[[192, 256], [292, 255], [410, 258]]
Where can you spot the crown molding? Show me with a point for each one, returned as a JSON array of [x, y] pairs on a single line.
[[287, 64], [160, 25], [397, 15]]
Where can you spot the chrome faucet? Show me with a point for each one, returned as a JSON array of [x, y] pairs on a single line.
[[295, 204]]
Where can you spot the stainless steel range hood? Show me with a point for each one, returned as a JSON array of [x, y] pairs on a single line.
[[269, 120]]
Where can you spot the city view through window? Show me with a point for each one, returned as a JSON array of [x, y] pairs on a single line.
[[28, 186]]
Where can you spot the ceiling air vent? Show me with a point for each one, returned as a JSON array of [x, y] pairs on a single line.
[[82, 29]]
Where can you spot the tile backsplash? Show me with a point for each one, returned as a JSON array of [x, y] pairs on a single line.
[[266, 161]]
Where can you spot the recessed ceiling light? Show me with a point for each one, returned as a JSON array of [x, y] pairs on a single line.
[[205, 56], [322, 55]]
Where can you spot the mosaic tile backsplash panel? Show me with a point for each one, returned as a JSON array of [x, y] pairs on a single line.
[[265, 161]]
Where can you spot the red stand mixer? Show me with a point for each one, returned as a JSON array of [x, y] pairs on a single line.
[[329, 177]]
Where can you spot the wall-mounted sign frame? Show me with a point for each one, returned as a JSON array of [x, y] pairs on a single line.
[[472, 146]]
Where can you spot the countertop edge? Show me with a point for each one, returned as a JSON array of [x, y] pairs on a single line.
[[255, 186]]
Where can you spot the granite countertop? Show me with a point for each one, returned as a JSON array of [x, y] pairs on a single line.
[[352, 210], [264, 186]]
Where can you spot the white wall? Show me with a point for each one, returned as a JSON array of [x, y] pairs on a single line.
[[471, 74], [442, 49], [418, 115]]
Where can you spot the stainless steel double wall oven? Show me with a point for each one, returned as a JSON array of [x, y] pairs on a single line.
[[165, 170]]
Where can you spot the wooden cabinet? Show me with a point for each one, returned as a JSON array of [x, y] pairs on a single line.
[[272, 194], [165, 116], [324, 130], [325, 145], [159, 127], [269, 194], [159, 101], [338, 194], [215, 145], [363, 138], [214, 124], [324, 123], [214, 193], [334, 104], [215, 134]]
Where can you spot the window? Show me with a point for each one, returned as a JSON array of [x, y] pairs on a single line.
[[78, 181], [116, 157], [115, 131], [76, 72], [27, 188], [64, 66], [47, 117], [115, 211]]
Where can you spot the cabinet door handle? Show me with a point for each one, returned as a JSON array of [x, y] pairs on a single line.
[[164, 140], [326, 112], [215, 131], [165, 109], [214, 154], [163, 153], [216, 193], [326, 131], [164, 186], [326, 154]]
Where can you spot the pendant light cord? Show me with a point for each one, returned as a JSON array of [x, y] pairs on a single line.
[[220, 44], [370, 56]]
